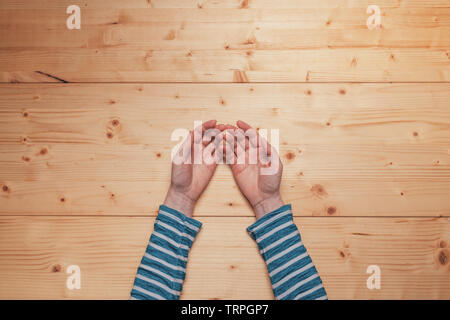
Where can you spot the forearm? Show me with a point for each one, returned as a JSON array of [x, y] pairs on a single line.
[[180, 201], [291, 270], [162, 270]]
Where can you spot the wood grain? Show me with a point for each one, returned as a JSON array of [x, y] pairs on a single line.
[[35, 252], [231, 4], [185, 41], [348, 150]]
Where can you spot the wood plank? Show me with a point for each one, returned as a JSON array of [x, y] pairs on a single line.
[[348, 150], [317, 43], [224, 263], [317, 65], [237, 4]]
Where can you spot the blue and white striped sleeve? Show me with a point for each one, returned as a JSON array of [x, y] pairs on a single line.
[[291, 270], [162, 270]]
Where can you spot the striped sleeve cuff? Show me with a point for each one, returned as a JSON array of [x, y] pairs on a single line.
[[162, 270], [291, 270]]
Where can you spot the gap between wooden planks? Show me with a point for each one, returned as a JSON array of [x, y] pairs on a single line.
[[347, 149], [224, 262]]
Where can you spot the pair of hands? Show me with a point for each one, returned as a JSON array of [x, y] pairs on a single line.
[[190, 178]]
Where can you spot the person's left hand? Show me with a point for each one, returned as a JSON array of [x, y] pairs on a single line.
[[189, 179]]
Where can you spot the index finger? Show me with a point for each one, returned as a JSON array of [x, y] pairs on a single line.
[[243, 125], [200, 130]]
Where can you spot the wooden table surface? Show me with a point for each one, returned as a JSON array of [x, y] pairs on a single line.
[[86, 118]]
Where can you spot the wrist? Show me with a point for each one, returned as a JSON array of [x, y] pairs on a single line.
[[268, 205], [180, 201]]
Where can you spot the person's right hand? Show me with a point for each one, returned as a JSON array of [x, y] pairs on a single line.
[[261, 190]]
